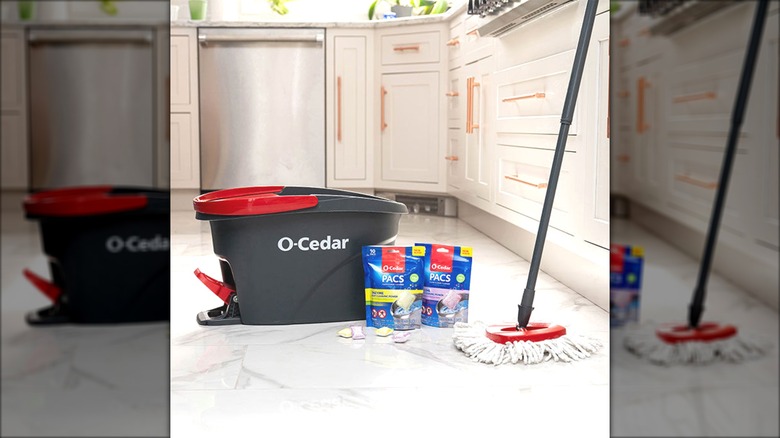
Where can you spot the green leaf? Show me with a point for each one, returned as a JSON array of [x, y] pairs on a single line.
[[371, 10]]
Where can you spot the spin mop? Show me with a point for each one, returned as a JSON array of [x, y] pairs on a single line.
[[535, 342], [700, 342]]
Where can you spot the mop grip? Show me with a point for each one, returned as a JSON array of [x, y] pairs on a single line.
[[695, 310], [523, 315]]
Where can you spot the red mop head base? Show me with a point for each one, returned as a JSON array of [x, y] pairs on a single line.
[[706, 332], [535, 332]]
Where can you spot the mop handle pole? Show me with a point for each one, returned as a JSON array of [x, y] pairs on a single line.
[[696, 308], [526, 304]]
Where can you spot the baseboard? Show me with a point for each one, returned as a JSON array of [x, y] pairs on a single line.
[[757, 275], [581, 275]]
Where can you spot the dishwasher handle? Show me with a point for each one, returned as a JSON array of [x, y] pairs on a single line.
[[239, 38], [90, 36]]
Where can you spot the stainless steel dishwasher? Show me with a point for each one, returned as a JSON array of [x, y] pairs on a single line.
[[262, 107], [92, 107]]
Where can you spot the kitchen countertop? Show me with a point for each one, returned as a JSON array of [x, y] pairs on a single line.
[[717, 399], [304, 378], [396, 22]]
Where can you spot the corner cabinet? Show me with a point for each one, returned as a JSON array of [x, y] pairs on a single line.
[[411, 128], [349, 147]]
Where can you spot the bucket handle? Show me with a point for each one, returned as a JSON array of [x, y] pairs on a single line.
[[51, 290], [220, 289]]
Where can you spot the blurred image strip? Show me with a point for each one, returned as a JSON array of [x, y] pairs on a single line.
[[676, 72], [85, 218]]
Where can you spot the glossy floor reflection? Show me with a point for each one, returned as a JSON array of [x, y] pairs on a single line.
[[71, 380], [720, 399], [304, 378]]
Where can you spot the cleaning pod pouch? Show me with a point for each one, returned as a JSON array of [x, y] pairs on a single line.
[[393, 284], [445, 298]]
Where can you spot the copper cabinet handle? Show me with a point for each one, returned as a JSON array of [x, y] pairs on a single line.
[[541, 185], [453, 42], [469, 80], [642, 83], [451, 158], [624, 42], [624, 158], [452, 94], [696, 182], [473, 33], [524, 96], [382, 111], [707, 95], [623, 94], [470, 85], [338, 108], [405, 48]]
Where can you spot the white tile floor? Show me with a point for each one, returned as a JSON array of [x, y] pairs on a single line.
[[713, 400], [73, 380], [303, 378]]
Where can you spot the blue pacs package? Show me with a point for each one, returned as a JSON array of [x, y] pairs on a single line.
[[445, 298], [625, 283], [393, 281]]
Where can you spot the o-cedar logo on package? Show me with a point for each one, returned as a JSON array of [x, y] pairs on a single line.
[[441, 258], [393, 260]]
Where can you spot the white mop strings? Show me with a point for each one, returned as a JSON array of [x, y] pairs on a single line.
[[471, 339], [735, 349]]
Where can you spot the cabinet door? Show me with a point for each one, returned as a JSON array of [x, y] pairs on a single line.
[[595, 182], [183, 70], [409, 120], [477, 160], [348, 129], [456, 173], [647, 151], [12, 80], [14, 152], [185, 173]]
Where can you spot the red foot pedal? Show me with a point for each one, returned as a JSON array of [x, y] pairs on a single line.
[[220, 289], [51, 290]]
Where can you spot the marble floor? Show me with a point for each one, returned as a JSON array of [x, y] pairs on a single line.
[[720, 399], [73, 380], [243, 380]]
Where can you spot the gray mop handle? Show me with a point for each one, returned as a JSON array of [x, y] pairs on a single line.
[[696, 308], [526, 305]]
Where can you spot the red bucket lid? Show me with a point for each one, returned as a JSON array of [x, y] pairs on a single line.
[[82, 201], [249, 201]]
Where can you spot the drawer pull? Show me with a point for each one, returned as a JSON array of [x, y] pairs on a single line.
[[624, 42], [382, 106], [451, 158], [624, 158], [405, 48], [525, 96], [696, 182], [338, 108], [623, 94], [473, 33], [708, 95], [453, 42], [542, 185], [452, 94]]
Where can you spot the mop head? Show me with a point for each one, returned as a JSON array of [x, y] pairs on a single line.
[[733, 349], [471, 339]]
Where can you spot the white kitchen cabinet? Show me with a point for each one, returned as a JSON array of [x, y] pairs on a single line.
[[13, 107], [184, 124], [349, 146], [412, 108], [185, 166], [456, 173], [477, 124], [595, 175], [410, 124], [766, 91]]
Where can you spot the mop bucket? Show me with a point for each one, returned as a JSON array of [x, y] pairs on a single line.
[[108, 252], [292, 255]]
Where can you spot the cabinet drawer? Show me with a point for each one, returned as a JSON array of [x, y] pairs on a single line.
[[413, 48], [523, 174], [530, 96], [701, 94], [693, 181]]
